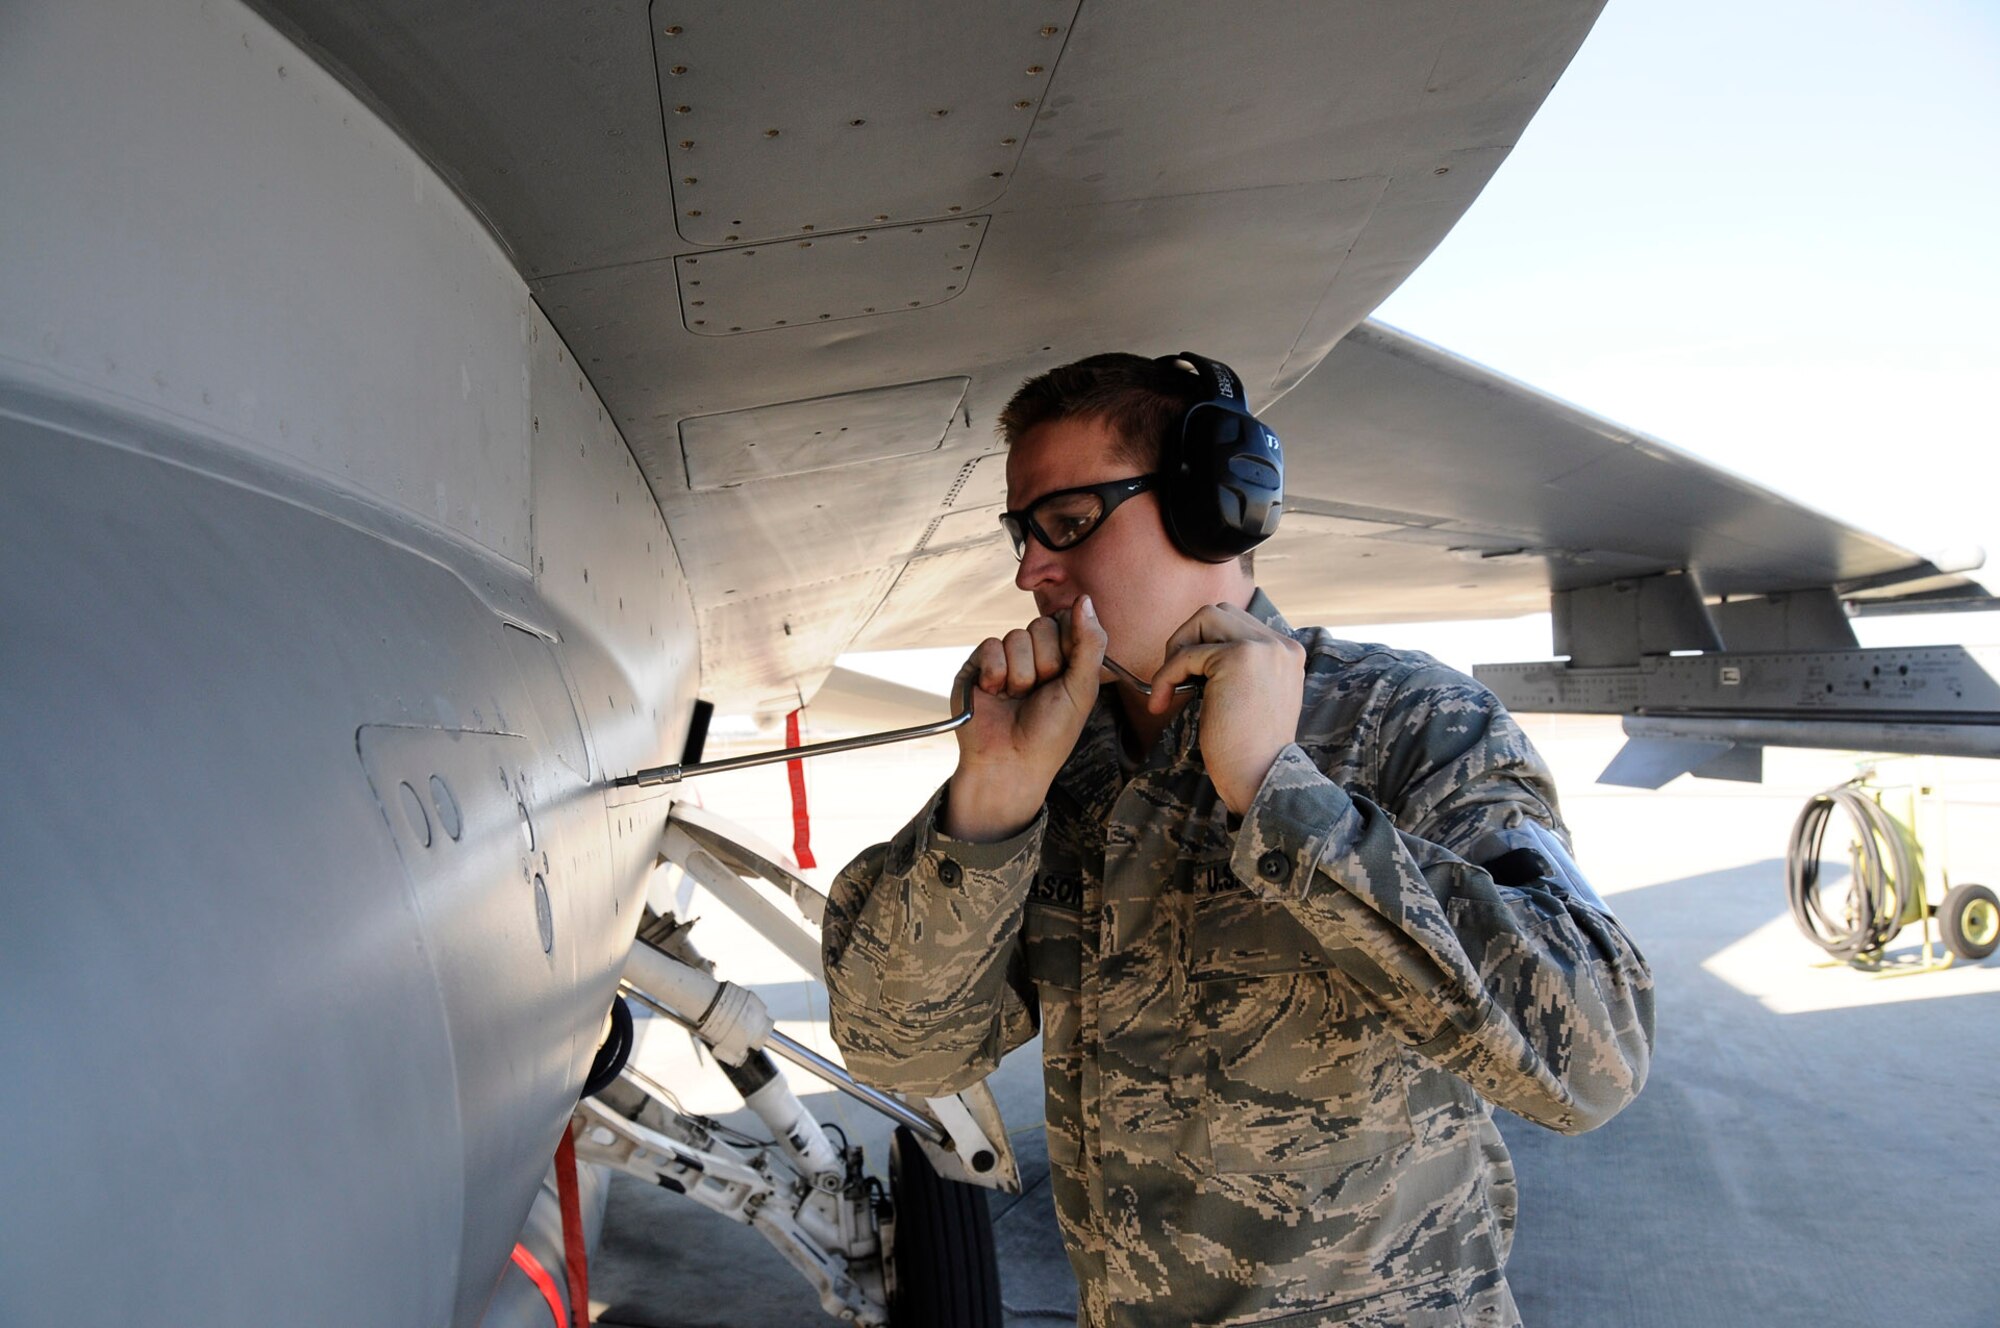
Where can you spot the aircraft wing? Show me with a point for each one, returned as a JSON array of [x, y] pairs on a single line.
[[805, 252], [1421, 486]]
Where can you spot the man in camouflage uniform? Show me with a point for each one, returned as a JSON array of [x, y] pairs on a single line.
[[1280, 938]]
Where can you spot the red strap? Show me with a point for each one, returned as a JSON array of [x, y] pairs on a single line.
[[525, 1260], [801, 823], [575, 1258]]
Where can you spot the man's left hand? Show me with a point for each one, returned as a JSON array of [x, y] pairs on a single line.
[[1256, 680]]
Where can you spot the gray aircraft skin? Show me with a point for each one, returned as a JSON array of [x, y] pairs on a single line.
[[330, 596], [374, 492]]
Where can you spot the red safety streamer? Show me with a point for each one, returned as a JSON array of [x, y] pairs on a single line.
[[525, 1260], [801, 823], [575, 1257]]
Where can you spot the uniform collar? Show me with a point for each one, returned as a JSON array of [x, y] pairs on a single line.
[[1264, 611]]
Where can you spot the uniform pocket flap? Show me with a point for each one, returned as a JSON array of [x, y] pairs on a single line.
[[1236, 934]]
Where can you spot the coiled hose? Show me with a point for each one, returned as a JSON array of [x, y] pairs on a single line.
[[1885, 870]]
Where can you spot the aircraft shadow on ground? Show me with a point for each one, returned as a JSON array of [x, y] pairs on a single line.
[[1779, 1168]]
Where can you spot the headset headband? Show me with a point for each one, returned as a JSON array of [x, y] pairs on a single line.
[[1219, 383]]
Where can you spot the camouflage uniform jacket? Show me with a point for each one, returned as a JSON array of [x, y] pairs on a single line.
[[1264, 1045]]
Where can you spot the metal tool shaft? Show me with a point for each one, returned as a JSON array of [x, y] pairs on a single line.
[[1145, 688], [673, 774]]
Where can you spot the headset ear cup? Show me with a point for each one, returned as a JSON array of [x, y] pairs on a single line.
[[1222, 471], [1204, 523], [1227, 486], [1176, 499]]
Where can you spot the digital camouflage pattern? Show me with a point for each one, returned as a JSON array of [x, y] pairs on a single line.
[[1265, 1045]]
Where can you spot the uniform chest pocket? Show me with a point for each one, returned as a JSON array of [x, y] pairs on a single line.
[[1293, 1070], [1052, 936]]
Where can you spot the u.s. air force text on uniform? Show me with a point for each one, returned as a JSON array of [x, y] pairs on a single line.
[[1265, 1045]]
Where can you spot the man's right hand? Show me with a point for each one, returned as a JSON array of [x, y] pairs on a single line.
[[1031, 694]]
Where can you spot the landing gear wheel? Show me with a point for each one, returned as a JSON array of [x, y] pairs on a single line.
[[1969, 917], [943, 1269], [611, 1057]]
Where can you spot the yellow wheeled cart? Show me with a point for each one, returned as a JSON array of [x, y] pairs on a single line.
[[1854, 915]]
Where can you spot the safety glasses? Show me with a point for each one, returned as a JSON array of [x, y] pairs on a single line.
[[1068, 517]]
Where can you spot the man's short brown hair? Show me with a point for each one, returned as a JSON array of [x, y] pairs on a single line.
[[1142, 400]]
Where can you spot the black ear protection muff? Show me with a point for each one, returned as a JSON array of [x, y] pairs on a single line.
[[1222, 473]]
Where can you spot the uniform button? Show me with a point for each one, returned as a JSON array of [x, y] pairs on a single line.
[[948, 872], [1274, 866]]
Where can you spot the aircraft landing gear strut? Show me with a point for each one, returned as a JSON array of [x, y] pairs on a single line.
[[917, 1256]]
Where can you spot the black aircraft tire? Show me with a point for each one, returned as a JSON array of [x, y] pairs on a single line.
[[1969, 917], [946, 1270]]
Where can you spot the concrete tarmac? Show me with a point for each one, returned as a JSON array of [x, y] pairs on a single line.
[[1815, 1145]]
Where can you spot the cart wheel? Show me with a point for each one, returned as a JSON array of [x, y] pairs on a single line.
[[944, 1268], [1970, 920]]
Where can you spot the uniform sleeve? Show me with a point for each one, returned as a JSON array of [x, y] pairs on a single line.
[[1530, 991], [921, 944]]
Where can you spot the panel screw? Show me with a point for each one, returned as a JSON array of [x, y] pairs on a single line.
[[808, 226], [1022, 105], [694, 212], [805, 244], [1005, 143], [915, 303], [860, 239], [869, 310], [728, 238], [939, 115], [682, 110], [972, 225], [678, 70], [735, 329], [826, 315], [770, 133], [687, 142], [954, 208], [699, 303], [856, 124], [672, 32], [687, 179], [1034, 70], [881, 216], [1046, 32], [1442, 170], [999, 175], [781, 322], [701, 322], [951, 288]]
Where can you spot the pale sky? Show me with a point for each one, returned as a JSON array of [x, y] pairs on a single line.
[[1765, 233]]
